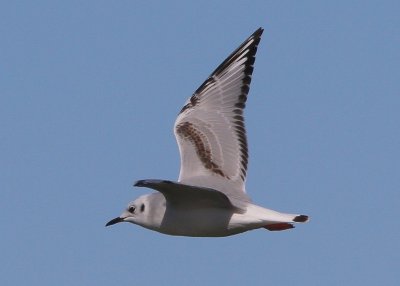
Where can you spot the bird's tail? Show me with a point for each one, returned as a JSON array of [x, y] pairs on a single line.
[[275, 221], [286, 225]]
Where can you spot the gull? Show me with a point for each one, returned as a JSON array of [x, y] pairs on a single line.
[[210, 199]]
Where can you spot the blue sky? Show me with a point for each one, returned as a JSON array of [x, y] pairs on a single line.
[[89, 92]]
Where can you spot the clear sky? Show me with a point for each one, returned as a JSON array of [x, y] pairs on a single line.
[[89, 92]]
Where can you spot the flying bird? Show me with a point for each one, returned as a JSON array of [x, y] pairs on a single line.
[[209, 199]]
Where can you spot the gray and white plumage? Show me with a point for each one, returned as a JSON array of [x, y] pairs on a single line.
[[209, 198]]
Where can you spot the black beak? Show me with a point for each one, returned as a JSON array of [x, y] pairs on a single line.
[[114, 221]]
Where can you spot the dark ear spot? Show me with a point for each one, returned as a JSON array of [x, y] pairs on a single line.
[[142, 208]]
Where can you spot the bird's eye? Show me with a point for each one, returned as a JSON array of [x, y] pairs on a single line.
[[142, 208], [131, 209]]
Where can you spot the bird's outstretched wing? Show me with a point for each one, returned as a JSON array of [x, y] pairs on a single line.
[[210, 128]]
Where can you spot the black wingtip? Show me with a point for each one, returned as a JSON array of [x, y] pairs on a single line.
[[139, 183], [301, 218], [256, 36], [259, 32], [151, 182]]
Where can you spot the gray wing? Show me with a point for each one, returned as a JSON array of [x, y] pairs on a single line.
[[210, 128], [192, 196]]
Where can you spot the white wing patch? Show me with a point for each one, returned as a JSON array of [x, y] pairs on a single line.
[[210, 128]]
